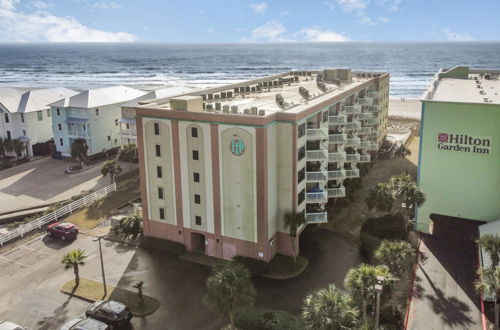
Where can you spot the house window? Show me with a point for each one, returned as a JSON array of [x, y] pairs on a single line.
[[194, 132], [8, 136], [195, 155], [116, 141], [48, 113], [160, 193], [109, 137], [61, 142], [301, 176], [97, 111], [162, 213], [196, 177], [24, 132], [197, 220], [59, 127], [158, 150], [302, 196], [6, 115], [301, 130], [22, 118], [116, 122], [157, 129], [197, 199], [127, 126], [58, 112], [159, 174], [39, 115]]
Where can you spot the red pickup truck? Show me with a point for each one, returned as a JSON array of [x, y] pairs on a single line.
[[63, 230]]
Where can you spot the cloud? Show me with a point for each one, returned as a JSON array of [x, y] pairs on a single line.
[[43, 26], [259, 8], [275, 31], [383, 19], [450, 35], [315, 33], [354, 7], [40, 5], [106, 5]]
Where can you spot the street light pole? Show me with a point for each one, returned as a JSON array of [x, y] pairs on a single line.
[[378, 289], [102, 268]]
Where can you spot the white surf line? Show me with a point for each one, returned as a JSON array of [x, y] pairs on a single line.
[[15, 262]]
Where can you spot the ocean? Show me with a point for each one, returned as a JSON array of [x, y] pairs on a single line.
[[150, 65]]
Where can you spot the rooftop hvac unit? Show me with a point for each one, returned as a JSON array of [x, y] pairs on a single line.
[[210, 96], [246, 111], [304, 92], [264, 84], [253, 111], [234, 109], [247, 89], [223, 95], [259, 88], [229, 95], [275, 83], [279, 100], [296, 78], [253, 89], [217, 106], [225, 108], [242, 89], [262, 112]]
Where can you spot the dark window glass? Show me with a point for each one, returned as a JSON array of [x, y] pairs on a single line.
[[8, 136], [301, 153], [160, 193], [48, 112], [61, 142], [109, 137], [59, 126], [157, 129], [158, 150], [58, 112], [6, 115], [301, 130], [197, 199], [162, 213], [301, 176], [196, 177], [195, 155], [159, 174], [194, 132], [198, 220], [302, 196], [97, 112]]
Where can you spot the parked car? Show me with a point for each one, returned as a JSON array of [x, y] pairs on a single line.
[[63, 230], [110, 312], [85, 324], [6, 325]]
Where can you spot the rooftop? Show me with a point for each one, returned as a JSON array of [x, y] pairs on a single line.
[[24, 101], [288, 92], [158, 94], [465, 85]]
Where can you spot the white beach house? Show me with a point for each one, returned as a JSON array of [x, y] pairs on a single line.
[[93, 115]]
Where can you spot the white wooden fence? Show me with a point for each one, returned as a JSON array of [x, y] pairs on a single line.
[[53, 216]]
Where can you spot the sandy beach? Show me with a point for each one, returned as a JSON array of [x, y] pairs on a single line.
[[409, 108]]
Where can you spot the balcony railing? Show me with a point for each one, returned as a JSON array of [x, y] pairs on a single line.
[[365, 158], [353, 142], [374, 108], [375, 134], [337, 120], [317, 133], [336, 192], [316, 155], [354, 173], [364, 116], [337, 138], [373, 146], [317, 197], [338, 156], [337, 174], [354, 125], [79, 133], [365, 130], [317, 217], [373, 94], [320, 176], [352, 157], [353, 109], [365, 101]]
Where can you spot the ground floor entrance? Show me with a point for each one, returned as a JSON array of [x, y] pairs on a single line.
[[198, 243], [454, 228]]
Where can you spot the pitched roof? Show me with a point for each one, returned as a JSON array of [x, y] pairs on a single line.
[[10, 97], [99, 97], [39, 99]]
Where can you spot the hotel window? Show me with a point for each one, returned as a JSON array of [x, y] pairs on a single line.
[[157, 128], [97, 111], [194, 132], [301, 153], [116, 122], [302, 196], [8, 136], [197, 220], [325, 116], [197, 199], [162, 213], [58, 112], [195, 155], [302, 175], [24, 132], [6, 115], [301, 130], [160, 193], [22, 118], [196, 177], [48, 113], [158, 150], [159, 174], [61, 142]]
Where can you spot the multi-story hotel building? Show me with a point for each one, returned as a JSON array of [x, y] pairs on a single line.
[[459, 152], [220, 167]]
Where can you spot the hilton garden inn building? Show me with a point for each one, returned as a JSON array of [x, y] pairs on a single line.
[[220, 167]]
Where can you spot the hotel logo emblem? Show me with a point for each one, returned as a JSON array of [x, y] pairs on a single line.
[[464, 143], [237, 146], [443, 137]]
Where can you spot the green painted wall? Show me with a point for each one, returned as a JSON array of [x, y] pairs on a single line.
[[459, 184]]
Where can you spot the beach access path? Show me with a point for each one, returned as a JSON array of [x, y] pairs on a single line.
[[409, 108]]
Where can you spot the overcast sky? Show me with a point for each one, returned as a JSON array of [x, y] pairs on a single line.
[[248, 21]]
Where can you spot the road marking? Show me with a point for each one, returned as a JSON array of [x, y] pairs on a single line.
[[35, 240], [23, 246], [10, 252], [15, 262]]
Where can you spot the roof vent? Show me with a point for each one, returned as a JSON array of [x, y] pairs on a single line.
[[246, 111], [234, 109], [225, 108], [304, 92], [280, 101], [253, 111], [262, 112]]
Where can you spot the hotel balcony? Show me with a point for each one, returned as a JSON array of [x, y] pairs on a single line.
[[352, 173], [318, 176], [374, 146], [364, 116], [337, 174], [316, 155], [337, 120], [317, 217], [365, 130], [353, 142], [373, 94], [375, 134], [374, 108], [353, 125], [373, 121], [365, 101], [338, 156], [317, 133], [77, 133], [337, 138], [352, 157], [317, 197], [352, 109], [364, 158], [336, 192]]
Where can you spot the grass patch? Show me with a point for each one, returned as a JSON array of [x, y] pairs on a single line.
[[265, 319], [162, 245], [93, 291], [282, 267]]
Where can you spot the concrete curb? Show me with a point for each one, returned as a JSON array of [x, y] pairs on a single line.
[[410, 297], [287, 277]]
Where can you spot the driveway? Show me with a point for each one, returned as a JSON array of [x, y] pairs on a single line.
[[43, 181], [31, 276], [444, 296]]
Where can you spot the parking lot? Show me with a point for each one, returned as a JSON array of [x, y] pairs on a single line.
[[31, 276]]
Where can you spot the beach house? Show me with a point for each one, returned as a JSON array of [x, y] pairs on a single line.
[[221, 167], [26, 117], [93, 115]]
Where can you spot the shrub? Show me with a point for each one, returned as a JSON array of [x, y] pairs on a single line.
[[162, 245], [251, 318], [253, 265], [5, 164], [392, 317], [369, 244], [387, 226]]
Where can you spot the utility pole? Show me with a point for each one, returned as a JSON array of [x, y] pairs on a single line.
[[378, 289], [102, 267]]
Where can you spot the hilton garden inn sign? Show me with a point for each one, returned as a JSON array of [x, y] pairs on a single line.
[[464, 143]]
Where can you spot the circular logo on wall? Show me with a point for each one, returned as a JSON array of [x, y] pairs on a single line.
[[237, 146]]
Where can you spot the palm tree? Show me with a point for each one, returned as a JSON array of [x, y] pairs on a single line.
[[129, 226], [361, 283], [112, 168], [329, 309], [293, 221], [406, 191], [139, 286], [229, 286], [18, 147], [128, 153], [380, 198], [491, 244], [488, 283], [396, 255], [74, 259], [79, 149]]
